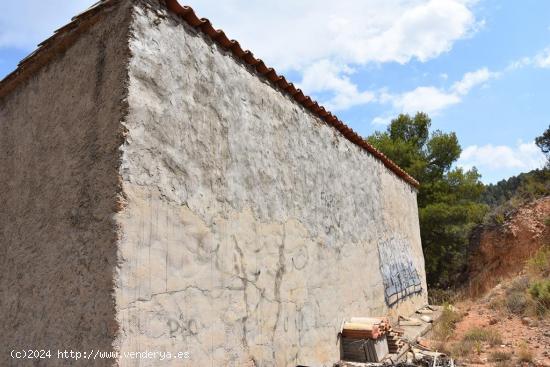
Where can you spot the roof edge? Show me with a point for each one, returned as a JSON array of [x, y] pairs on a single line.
[[66, 35], [61, 40], [279, 82]]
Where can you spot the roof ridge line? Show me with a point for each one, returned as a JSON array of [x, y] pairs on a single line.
[[279, 82], [27, 66]]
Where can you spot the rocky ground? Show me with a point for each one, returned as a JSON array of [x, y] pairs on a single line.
[[486, 333], [496, 318], [521, 338]]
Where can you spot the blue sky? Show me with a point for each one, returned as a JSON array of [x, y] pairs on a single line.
[[480, 68]]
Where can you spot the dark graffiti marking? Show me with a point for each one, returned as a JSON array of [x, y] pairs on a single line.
[[399, 275]]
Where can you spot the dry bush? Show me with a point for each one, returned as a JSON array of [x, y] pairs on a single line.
[[490, 336], [463, 348], [444, 327], [472, 341], [500, 356], [437, 296], [518, 285], [524, 354], [441, 346], [516, 303], [538, 266], [478, 285], [497, 304], [507, 363]]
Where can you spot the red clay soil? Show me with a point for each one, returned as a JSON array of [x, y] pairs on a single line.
[[532, 333], [501, 251]]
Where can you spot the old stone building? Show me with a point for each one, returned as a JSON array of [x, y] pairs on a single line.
[[161, 189]]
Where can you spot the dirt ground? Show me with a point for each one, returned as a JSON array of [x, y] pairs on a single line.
[[520, 335]]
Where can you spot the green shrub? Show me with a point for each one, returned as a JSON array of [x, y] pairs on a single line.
[[539, 264], [499, 218], [540, 291], [507, 196]]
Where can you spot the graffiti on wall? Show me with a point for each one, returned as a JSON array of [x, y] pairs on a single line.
[[399, 275]]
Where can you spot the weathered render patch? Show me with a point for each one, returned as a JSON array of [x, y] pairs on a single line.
[[235, 290]]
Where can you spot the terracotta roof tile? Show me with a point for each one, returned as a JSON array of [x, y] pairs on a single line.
[[79, 23]]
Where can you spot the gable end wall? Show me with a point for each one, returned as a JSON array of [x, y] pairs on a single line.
[[59, 170]]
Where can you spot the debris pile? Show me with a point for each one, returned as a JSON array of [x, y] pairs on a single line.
[[416, 357], [369, 339], [372, 341], [395, 343], [419, 356], [424, 315]]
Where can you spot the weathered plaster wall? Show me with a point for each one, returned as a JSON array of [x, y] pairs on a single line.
[[58, 183], [251, 228]]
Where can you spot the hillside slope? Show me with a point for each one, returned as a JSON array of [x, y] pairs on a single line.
[[499, 250]]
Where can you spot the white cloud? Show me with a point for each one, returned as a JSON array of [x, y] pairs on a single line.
[[473, 79], [23, 24], [540, 60], [290, 34], [294, 34], [325, 76], [522, 157], [519, 64], [433, 100], [323, 40], [426, 99]]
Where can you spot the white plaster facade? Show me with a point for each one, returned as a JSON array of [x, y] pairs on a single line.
[[252, 227], [230, 222]]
